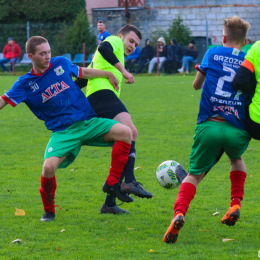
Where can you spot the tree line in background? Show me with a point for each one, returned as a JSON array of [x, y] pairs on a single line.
[[65, 24], [40, 11]]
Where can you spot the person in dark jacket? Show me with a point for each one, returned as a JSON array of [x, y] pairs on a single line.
[[174, 55], [162, 55], [145, 56], [11, 53], [190, 53]]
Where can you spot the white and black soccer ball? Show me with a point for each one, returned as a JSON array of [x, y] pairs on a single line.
[[166, 175]]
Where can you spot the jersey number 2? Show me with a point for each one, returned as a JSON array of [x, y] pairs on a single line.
[[221, 81]]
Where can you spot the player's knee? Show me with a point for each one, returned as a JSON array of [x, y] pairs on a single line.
[[134, 133], [127, 136], [124, 135], [48, 170]]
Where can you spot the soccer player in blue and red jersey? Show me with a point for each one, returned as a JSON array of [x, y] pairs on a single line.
[[220, 125], [50, 93], [103, 33]]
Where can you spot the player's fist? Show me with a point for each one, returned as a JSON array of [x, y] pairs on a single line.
[[113, 81], [129, 77]]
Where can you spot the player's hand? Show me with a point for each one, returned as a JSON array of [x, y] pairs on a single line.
[[113, 81], [129, 77]]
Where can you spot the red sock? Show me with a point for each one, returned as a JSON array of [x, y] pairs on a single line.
[[185, 196], [47, 190], [237, 187], [119, 159]]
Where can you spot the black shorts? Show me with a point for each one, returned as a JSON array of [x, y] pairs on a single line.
[[106, 104], [252, 127]]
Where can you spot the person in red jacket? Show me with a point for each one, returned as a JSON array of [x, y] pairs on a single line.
[[11, 52]]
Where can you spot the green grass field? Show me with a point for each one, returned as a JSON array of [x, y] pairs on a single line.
[[164, 110]]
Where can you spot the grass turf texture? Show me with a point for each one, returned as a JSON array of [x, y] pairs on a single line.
[[164, 110]]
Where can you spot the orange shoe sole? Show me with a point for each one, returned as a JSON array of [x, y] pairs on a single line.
[[232, 216], [173, 230]]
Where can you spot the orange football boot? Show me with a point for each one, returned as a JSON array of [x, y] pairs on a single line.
[[232, 216], [171, 234]]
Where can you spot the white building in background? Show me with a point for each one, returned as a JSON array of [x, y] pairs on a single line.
[[159, 14]]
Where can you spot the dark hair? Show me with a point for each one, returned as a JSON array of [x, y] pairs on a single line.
[[34, 41], [101, 21], [130, 28]]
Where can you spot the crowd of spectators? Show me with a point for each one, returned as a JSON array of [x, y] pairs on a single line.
[[172, 57]]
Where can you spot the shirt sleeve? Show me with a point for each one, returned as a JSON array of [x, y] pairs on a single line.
[[106, 34], [204, 64], [15, 95], [74, 70], [107, 52]]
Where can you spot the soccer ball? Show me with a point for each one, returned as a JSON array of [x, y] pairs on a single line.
[[166, 176]]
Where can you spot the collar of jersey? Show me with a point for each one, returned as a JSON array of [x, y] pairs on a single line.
[[40, 73]]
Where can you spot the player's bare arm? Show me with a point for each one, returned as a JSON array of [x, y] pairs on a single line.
[[88, 73], [128, 76], [198, 81], [2, 103], [106, 50]]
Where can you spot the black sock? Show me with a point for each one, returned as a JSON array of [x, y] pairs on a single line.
[[110, 200], [121, 178], [129, 167]]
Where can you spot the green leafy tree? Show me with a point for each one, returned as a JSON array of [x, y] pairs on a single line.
[[179, 31], [39, 11], [80, 33]]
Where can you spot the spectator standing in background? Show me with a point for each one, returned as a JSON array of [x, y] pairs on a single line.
[[132, 59], [145, 56], [162, 55], [11, 53], [189, 53], [103, 34], [174, 54]]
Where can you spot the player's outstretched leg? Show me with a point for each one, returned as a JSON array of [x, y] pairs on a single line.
[[48, 186], [122, 135], [185, 196], [47, 191], [131, 186], [237, 192]]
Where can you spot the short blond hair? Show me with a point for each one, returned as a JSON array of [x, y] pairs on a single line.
[[236, 29], [33, 42]]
